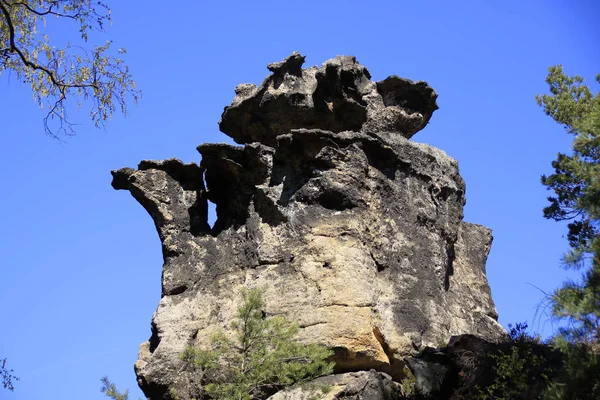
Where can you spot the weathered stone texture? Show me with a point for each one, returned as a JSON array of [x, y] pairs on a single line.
[[363, 385], [355, 231], [339, 96]]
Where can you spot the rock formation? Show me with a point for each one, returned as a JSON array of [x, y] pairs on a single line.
[[362, 385], [355, 231], [337, 97]]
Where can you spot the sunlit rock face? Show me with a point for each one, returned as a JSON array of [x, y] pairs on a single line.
[[355, 231], [337, 97]]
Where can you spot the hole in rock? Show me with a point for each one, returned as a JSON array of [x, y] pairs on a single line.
[[212, 214], [154, 339]]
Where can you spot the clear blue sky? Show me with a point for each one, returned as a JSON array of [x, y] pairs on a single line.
[[81, 262]]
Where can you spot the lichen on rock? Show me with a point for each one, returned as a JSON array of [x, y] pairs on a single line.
[[356, 232]]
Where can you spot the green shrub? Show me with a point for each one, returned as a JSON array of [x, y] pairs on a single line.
[[263, 357], [520, 369]]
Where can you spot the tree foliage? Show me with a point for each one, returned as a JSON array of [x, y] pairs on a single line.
[[521, 368], [58, 73], [110, 390], [263, 355], [576, 186], [7, 376]]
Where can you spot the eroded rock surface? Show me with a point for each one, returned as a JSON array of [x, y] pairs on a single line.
[[356, 232], [363, 385], [338, 96]]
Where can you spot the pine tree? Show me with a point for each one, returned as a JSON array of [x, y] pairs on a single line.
[[576, 186], [111, 391], [262, 357]]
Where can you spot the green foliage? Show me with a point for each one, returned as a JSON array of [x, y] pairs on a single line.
[[56, 74], [262, 357], [575, 180], [7, 376], [567, 367], [579, 376], [576, 185], [110, 390], [409, 383], [521, 369]]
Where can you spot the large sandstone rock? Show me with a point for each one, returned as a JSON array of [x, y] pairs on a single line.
[[357, 235]]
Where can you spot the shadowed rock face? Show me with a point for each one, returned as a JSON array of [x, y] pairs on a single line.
[[363, 385], [355, 232], [339, 96]]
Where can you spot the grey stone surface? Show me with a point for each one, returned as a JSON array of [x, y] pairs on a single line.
[[338, 96], [357, 235], [363, 385], [430, 370], [458, 370]]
